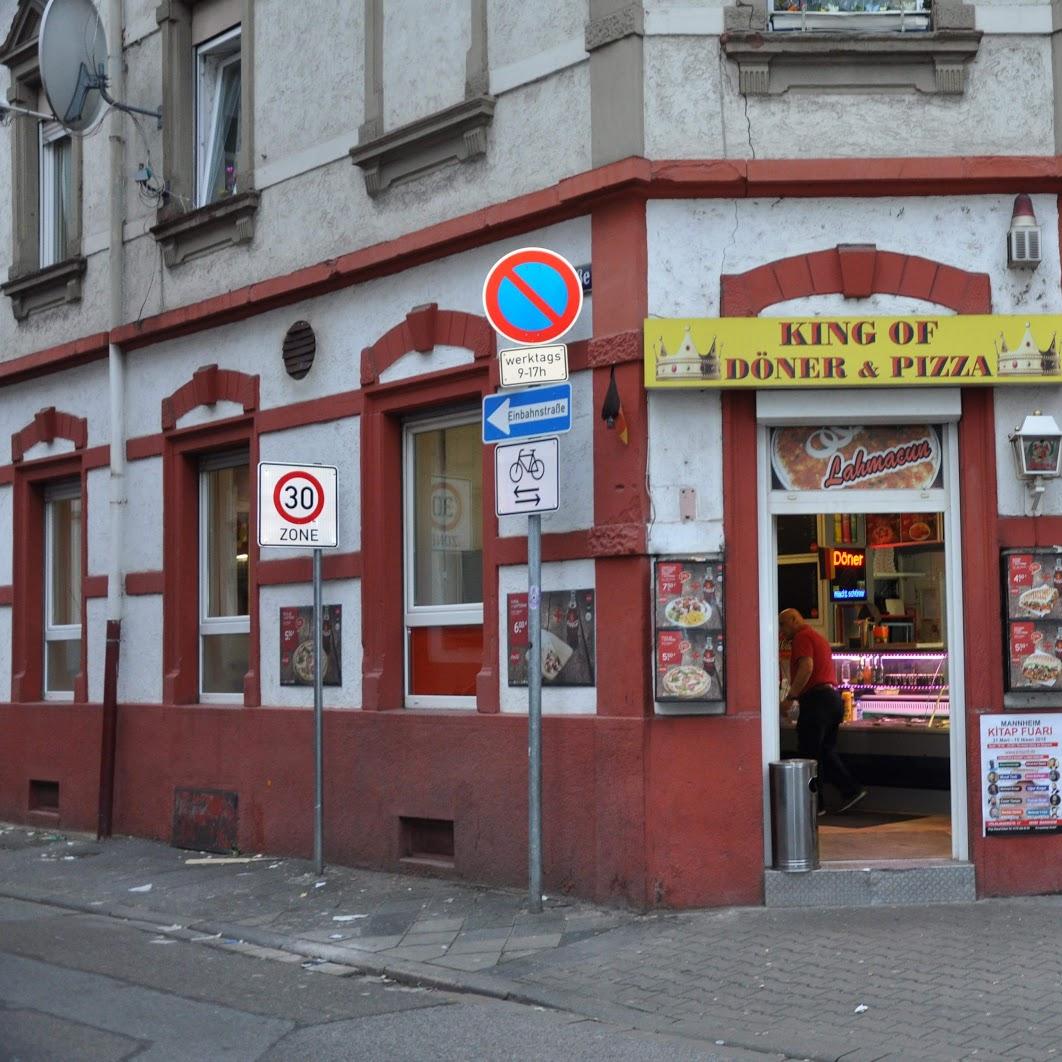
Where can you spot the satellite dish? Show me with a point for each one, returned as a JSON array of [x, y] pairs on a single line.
[[73, 62], [72, 51]]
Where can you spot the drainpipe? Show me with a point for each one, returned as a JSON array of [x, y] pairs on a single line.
[[116, 383]]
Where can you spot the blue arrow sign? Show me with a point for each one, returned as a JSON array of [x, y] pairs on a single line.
[[525, 414]]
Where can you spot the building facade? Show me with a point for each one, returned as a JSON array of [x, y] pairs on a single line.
[[358, 171]]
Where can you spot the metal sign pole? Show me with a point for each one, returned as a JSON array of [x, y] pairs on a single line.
[[534, 710], [318, 720]]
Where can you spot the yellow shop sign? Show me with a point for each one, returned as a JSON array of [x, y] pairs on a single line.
[[760, 352]]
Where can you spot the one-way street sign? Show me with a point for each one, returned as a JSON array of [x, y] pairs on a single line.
[[526, 477], [526, 414]]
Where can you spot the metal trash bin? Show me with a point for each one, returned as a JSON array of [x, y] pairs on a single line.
[[794, 786]]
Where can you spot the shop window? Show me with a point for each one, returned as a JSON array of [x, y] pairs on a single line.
[[224, 612], [62, 590], [444, 561], [56, 192], [218, 90]]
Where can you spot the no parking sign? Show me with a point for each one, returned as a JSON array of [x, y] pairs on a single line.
[[297, 505], [533, 295]]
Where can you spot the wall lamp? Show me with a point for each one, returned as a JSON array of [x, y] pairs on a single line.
[[1037, 453]]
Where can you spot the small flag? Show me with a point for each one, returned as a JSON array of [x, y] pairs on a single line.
[[612, 409]]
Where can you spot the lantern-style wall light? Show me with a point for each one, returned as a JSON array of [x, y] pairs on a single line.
[[1037, 453]]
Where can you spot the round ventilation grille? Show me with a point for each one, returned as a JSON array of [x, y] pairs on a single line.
[[300, 346]]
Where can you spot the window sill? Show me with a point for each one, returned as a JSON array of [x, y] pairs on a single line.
[[43, 289], [226, 223], [770, 64], [456, 134]]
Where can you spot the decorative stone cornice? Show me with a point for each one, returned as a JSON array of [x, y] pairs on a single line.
[[627, 22], [455, 134], [772, 63], [47, 426], [44, 288], [226, 223]]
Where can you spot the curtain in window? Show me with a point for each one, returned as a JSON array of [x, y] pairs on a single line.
[[228, 508], [65, 559], [225, 142]]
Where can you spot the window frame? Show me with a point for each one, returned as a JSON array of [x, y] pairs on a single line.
[[62, 490], [50, 203], [216, 625], [204, 120], [413, 615]]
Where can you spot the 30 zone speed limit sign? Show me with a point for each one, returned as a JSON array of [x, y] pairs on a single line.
[[296, 505]]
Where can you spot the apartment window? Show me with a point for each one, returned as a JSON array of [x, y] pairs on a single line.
[[224, 613], [218, 87], [855, 16], [62, 590], [443, 561], [56, 171]]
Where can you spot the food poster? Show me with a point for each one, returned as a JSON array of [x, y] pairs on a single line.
[[296, 645], [895, 529], [567, 638], [688, 610], [1020, 773], [904, 457], [1033, 584]]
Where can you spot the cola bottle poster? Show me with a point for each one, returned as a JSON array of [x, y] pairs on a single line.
[[1032, 590], [296, 645], [567, 638]]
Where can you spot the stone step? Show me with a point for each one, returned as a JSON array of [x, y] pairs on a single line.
[[870, 884]]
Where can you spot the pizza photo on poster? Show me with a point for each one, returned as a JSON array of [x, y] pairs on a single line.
[[296, 645], [1032, 629], [688, 650], [568, 639]]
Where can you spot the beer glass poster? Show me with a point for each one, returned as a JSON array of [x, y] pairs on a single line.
[[1020, 773], [688, 612], [567, 638], [296, 645], [1032, 587]]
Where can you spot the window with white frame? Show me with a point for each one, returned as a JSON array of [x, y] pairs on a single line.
[[217, 116], [224, 613], [62, 590], [56, 192], [443, 529], [857, 16]]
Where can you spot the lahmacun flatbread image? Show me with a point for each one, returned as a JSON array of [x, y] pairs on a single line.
[[894, 458]]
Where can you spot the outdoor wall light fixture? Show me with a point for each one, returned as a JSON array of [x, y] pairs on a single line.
[[1037, 453], [1023, 239]]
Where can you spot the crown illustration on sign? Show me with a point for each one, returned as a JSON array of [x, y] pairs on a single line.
[[1026, 359], [686, 361]]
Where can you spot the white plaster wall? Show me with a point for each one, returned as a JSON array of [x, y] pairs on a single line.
[[520, 31], [1012, 406], [412, 364], [345, 321], [344, 592], [140, 665], [693, 109], [99, 521], [692, 242], [425, 43], [6, 532], [576, 480], [96, 616], [142, 540], [556, 700], [336, 443], [5, 654]]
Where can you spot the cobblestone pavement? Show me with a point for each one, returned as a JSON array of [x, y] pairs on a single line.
[[976, 981]]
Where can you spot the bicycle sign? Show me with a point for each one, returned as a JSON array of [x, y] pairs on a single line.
[[525, 477], [296, 505]]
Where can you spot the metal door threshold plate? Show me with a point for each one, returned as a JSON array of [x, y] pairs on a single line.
[[872, 884]]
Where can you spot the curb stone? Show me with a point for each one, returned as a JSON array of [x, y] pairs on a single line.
[[407, 972]]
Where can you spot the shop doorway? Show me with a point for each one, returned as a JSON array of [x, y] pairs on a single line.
[[866, 547]]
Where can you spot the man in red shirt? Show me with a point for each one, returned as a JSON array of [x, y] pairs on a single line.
[[812, 683]]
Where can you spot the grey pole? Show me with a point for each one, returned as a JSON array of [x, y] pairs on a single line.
[[318, 721], [534, 710]]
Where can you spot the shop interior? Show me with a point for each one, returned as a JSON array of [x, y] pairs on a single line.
[[874, 586]]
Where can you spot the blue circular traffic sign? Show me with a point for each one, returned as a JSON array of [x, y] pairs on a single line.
[[532, 296]]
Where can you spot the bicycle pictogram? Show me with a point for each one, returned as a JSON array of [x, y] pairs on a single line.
[[527, 461]]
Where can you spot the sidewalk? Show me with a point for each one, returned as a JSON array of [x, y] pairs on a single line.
[[978, 981]]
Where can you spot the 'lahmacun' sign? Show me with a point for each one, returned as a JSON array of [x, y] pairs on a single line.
[[762, 352]]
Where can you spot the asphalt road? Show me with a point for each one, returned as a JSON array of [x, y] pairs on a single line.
[[79, 987]]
